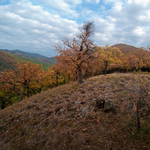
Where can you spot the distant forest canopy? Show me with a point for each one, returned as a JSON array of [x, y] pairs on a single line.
[[79, 60]]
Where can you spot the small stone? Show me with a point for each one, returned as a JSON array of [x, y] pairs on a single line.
[[60, 111], [109, 106], [77, 102], [85, 111]]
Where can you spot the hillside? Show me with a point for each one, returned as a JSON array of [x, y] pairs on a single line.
[[7, 60], [98, 114], [21, 56], [126, 49]]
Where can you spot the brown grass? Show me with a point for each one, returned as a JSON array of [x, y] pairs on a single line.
[[53, 119]]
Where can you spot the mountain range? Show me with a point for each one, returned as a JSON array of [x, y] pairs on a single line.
[[10, 57]]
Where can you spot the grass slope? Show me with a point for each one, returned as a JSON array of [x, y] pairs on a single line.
[[55, 119]]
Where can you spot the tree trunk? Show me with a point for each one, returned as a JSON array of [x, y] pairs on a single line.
[[64, 79], [56, 80], [138, 118], [68, 78], [80, 75], [21, 94], [41, 88], [57, 77], [3, 103], [28, 93], [106, 66]]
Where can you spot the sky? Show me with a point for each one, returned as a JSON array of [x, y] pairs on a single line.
[[37, 25]]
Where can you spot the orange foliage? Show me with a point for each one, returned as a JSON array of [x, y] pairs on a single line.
[[77, 52]]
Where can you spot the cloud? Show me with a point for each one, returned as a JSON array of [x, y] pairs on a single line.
[[62, 7], [93, 1], [30, 28], [36, 25], [124, 23]]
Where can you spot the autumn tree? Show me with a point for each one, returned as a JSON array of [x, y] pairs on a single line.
[[25, 80], [55, 73], [108, 55], [142, 58], [39, 83], [8, 88], [137, 60], [26, 74], [78, 51]]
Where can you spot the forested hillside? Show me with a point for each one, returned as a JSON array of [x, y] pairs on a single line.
[[7, 61], [11, 57]]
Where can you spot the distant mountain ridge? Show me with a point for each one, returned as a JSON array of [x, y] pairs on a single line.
[[28, 55], [9, 57]]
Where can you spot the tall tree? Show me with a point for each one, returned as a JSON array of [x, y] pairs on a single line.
[[78, 51]]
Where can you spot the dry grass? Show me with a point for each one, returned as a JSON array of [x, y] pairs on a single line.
[[53, 119]]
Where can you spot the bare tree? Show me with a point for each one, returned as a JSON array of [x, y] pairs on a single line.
[[138, 88], [78, 51]]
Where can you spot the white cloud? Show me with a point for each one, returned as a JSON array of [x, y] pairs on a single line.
[[37, 24], [141, 2], [64, 7], [139, 31], [113, 1], [118, 6], [32, 28], [93, 1]]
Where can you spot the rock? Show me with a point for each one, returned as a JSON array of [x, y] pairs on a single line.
[[106, 105], [109, 106], [59, 102], [100, 102], [60, 112], [85, 111], [85, 83], [77, 102]]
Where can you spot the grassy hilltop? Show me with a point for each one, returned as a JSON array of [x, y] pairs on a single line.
[[98, 114]]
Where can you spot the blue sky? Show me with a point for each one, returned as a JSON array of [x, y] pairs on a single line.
[[36, 25]]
